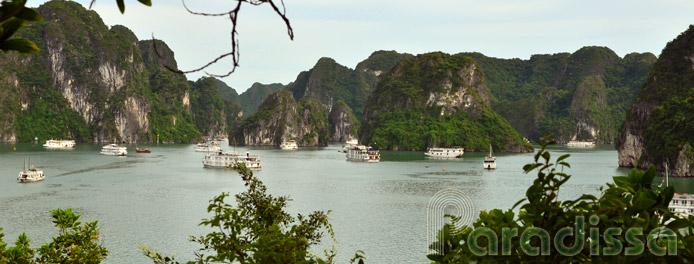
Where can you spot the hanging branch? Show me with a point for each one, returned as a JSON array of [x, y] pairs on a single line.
[[234, 53]]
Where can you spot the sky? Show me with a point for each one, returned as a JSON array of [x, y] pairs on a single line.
[[350, 30]]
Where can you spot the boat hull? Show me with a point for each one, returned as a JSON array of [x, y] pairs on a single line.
[[109, 153], [32, 177]]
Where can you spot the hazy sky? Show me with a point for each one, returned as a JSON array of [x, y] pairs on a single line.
[[350, 30]]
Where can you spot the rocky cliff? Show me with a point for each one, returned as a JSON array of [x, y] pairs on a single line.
[[436, 99], [659, 128], [94, 83], [328, 81], [583, 95], [343, 122], [250, 99], [280, 118]]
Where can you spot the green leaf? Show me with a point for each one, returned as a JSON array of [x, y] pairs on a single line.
[[10, 9], [145, 2], [668, 193], [621, 181], [546, 156], [644, 202], [29, 15], [518, 203], [10, 27], [562, 157], [678, 223], [121, 6], [529, 167], [648, 176], [20, 45]]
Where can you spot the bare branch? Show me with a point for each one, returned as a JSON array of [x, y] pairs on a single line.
[[234, 53]]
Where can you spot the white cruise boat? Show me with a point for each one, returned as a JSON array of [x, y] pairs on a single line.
[[230, 159], [59, 144], [210, 146], [30, 174], [289, 145], [454, 152], [682, 204], [349, 144], [580, 144], [114, 150], [489, 160], [363, 153]]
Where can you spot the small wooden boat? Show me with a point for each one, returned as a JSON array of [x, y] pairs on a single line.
[[145, 150]]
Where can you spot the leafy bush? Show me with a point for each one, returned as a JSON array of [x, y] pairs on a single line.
[[75, 243], [630, 203], [257, 230]]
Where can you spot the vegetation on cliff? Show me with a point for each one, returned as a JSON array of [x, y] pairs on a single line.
[[281, 118], [329, 82], [662, 116], [212, 113], [583, 95], [251, 99], [92, 83], [436, 99]]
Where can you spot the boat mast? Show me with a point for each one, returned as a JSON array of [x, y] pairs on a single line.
[[667, 177]]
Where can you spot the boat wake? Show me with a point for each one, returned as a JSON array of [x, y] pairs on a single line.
[[114, 165]]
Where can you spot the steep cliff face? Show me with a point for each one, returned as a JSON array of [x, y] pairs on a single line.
[[583, 95], [250, 99], [328, 81], [435, 99], [99, 71], [280, 118], [213, 114], [378, 63], [92, 83], [659, 127], [343, 122]]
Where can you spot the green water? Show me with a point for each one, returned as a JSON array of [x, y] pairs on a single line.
[[158, 199]]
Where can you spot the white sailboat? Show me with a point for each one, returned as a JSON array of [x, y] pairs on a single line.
[[489, 160], [30, 174]]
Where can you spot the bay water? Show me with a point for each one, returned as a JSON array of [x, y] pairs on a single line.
[[158, 199]]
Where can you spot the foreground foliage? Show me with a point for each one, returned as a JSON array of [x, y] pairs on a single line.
[[629, 203], [76, 243], [257, 230]]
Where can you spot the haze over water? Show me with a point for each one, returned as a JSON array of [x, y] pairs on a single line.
[[159, 199]]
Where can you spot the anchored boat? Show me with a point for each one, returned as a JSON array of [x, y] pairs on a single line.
[[489, 160], [580, 144], [363, 153], [59, 144], [211, 146], [114, 150], [454, 152], [30, 174], [231, 159], [289, 145]]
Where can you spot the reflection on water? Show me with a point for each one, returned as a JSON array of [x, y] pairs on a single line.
[[158, 199]]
